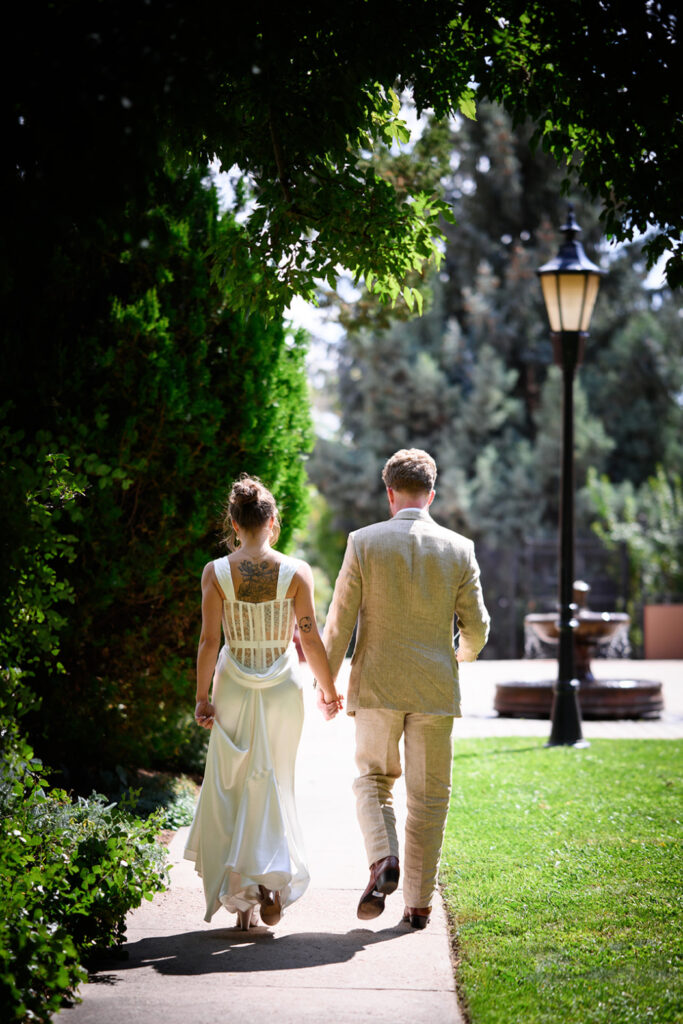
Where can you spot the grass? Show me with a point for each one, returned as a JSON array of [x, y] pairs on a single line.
[[563, 876]]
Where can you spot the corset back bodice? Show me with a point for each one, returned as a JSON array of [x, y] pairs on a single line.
[[257, 633]]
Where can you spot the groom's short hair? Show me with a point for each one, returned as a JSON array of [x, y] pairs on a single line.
[[411, 470]]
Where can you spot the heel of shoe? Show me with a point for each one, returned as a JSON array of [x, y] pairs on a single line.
[[387, 881], [416, 920], [245, 919]]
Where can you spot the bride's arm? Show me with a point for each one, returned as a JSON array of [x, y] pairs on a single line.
[[311, 642], [209, 642]]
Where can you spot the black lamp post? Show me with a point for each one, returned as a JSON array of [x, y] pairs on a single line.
[[570, 285]]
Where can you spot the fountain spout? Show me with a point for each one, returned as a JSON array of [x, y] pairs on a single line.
[[591, 631]]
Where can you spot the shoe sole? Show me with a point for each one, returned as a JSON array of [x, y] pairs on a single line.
[[372, 905], [271, 915], [270, 909]]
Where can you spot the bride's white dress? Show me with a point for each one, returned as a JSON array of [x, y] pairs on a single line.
[[245, 831]]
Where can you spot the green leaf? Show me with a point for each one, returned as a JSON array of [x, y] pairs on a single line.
[[395, 102], [467, 104]]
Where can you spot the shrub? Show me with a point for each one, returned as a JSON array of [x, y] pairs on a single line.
[[648, 520], [172, 797], [69, 873], [159, 395]]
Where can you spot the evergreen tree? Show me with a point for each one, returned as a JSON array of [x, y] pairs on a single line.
[[158, 395], [633, 373], [472, 381]]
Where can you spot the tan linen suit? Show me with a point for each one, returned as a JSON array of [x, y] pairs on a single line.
[[403, 582]]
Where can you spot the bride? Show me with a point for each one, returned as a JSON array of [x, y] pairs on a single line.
[[245, 839]]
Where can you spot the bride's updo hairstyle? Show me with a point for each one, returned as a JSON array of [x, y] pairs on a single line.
[[250, 505]]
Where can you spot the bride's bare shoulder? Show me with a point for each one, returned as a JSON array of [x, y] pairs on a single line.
[[302, 572]]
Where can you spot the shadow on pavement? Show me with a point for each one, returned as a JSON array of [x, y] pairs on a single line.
[[230, 950]]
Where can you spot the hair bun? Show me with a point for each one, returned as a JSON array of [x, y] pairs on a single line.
[[245, 492], [250, 504]]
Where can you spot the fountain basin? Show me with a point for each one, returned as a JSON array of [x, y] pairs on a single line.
[[598, 698]]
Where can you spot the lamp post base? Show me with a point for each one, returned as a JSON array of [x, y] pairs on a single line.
[[566, 717]]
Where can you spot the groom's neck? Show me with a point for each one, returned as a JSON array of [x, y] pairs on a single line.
[[399, 500]]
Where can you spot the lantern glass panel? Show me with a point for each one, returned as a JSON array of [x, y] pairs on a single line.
[[592, 286], [570, 299], [571, 289], [551, 297]]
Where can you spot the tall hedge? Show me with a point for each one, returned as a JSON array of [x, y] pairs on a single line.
[[131, 367]]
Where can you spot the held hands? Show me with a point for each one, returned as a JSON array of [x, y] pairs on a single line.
[[328, 708], [204, 713]]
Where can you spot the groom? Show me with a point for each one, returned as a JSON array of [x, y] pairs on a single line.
[[403, 581]]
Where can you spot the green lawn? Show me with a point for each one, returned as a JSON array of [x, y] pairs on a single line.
[[563, 874]]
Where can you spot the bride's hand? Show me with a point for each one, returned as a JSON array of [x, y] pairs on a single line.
[[328, 708], [204, 713]]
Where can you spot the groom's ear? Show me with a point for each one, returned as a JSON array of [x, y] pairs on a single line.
[[431, 498]]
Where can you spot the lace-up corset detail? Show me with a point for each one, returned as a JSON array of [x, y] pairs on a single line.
[[257, 633]]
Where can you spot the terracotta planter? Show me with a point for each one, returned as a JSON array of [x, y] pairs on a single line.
[[663, 629]]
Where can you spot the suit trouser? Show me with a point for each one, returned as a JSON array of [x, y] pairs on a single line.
[[428, 745]]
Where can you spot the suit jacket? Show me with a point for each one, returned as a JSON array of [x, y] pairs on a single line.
[[404, 581]]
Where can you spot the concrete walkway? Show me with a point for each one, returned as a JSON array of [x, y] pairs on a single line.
[[320, 963]]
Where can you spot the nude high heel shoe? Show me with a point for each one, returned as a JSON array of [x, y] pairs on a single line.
[[245, 919], [271, 909]]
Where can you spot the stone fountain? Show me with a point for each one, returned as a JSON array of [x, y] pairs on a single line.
[[599, 698]]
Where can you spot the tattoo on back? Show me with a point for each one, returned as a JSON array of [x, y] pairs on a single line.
[[259, 581], [306, 624]]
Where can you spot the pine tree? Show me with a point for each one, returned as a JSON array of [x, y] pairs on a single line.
[[472, 381]]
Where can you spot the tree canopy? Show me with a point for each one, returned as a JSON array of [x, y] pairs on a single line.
[[101, 95]]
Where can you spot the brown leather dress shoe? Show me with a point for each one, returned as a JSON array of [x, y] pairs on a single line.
[[417, 917], [384, 876]]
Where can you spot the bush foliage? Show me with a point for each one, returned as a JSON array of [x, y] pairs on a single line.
[[649, 521], [158, 395], [69, 873]]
